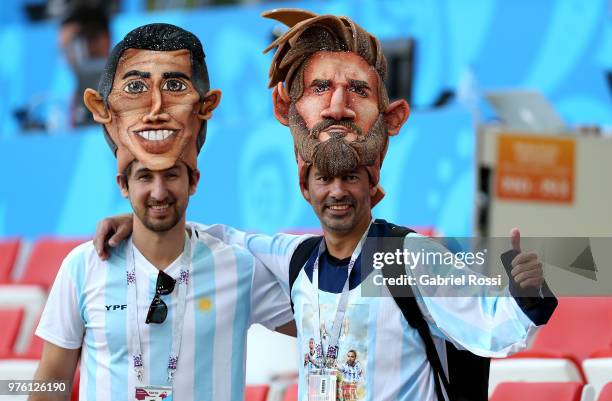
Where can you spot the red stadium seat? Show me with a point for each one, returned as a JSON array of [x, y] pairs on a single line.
[[9, 249], [34, 350], [45, 260], [30, 298], [523, 391], [606, 393], [11, 323], [256, 392], [598, 369], [577, 328], [292, 393], [427, 231], [74, 391]]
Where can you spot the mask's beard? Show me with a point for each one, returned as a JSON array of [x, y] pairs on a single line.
[[335, 156]]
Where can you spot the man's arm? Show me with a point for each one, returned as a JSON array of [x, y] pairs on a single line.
[[468, 315], [288, 329], [273, 251], [57, 363]]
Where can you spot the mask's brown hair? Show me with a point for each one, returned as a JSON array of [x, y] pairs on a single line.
[[309, 33]]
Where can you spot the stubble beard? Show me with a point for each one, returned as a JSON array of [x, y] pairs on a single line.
[[162, 226]]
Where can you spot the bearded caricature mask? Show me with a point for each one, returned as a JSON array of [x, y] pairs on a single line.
[[154, 99], [328, 78]]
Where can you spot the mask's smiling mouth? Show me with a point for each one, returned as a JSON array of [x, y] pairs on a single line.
[[156, 141], [156, 134]]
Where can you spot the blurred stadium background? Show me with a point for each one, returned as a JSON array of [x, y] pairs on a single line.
[[444, 56]]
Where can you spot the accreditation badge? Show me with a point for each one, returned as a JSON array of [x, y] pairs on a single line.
[[153, 393], [322, 385]]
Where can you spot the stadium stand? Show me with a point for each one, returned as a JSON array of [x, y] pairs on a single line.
[[292, 393], [598, 369], [606, 393], [31, 299], [256, 392], [579, 327], [45, 260], [9, 249], [9, 329], [570, 391]]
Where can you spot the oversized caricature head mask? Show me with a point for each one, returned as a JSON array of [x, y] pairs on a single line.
[[328, 77], [154, 98]]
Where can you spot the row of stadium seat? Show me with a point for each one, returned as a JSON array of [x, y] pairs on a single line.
[[42, 263], [507, 391], [569, 391], [24, 290], [575, 346]]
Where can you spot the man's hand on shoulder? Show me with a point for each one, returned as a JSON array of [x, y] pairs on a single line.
[[110, 232], [527, 269]]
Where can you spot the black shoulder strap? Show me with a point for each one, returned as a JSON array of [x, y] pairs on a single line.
[[408, 306], [468, 373], [298, 259]]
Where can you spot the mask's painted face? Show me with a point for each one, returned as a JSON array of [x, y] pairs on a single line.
[[336, 123], [154, 109]]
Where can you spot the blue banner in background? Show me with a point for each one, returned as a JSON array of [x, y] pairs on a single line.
[[62, 184]]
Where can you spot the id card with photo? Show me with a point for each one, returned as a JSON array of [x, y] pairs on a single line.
[[322, 387], [153, 393]]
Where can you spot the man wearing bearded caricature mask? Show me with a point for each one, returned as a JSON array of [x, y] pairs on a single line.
[[166, 316], [327, 77]]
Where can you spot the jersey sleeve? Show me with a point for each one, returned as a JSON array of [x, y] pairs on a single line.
[[61, 323], [492, 326], [271, 306], [274, 252]]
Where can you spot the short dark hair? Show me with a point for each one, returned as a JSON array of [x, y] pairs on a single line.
[[159, 37], [125, 174], [353, 351]]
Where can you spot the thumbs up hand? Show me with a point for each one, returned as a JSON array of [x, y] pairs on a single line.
[[527, 269]]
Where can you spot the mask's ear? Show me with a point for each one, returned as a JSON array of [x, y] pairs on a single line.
[[281, 102], [396, 115], [211, 101], [95, 104]]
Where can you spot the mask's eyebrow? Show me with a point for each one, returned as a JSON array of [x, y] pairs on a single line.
[[175, 74], [136, 73], [320, 82], [359, 84]]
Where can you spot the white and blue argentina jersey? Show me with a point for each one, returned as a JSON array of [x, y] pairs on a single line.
[[390, 352], [227, 292]]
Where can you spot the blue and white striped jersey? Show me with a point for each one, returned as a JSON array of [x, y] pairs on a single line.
[[391, 353], [228, 291]]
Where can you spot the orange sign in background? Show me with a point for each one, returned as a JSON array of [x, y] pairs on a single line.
[[535, 168]]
